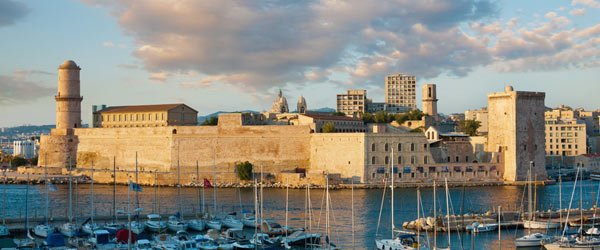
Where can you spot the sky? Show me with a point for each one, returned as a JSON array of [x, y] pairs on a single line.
[[225, 55]]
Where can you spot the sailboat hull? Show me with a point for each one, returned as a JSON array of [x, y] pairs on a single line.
[[43, 230], [528, 224]]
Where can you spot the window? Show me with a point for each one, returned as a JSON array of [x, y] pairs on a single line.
[[386, 147], [373, 147], [467, 158], [425, 160], [387, 160], [457, 159], [399, 147], [373, 160], [412, 147], [399, 159], [425, 147], [412, 160]]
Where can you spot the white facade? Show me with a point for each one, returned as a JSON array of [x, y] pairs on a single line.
[[25, 149]]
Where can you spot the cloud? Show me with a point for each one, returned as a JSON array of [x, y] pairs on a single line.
[[11, 11], [259, 45], [588, 3], [16, 89], [577, 12]]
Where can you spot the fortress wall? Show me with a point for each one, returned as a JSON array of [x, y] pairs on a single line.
[[216, 149], [342, 153]]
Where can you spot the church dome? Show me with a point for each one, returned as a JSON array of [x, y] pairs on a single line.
[[301, 100]]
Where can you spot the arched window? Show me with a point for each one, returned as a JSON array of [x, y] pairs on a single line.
[[399, 159], [412, 147], [386, 147], [174, 131], [373, 147], [399, 147], [457, 159], [373, 160], [412, 160], [387, 160]]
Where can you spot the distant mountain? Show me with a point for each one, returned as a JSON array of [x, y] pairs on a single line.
[[323, 110]]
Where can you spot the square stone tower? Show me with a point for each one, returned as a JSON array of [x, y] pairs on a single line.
[[430, 99], [516, 129]]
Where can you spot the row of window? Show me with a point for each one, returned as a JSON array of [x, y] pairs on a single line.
[[564, 134], [563, 146], [132, 117], [566, 128], [386, 147], [413, 160], [437, 174]]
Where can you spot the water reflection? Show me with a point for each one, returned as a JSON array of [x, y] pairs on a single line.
[[366, 204]]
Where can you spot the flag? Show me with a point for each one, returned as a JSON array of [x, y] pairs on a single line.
[[51, 187], [207, 183], [135, 187]]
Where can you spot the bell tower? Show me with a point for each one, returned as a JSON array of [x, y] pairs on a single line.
[[430, 99]]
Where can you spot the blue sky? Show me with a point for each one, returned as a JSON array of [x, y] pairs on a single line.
[[235, 55]]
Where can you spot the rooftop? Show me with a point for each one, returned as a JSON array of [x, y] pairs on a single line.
[[141, 108], [323, 116]]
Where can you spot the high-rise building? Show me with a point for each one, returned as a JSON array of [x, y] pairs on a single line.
[[516, 131], [400, 93], [352, 103], [430, 99], [24, 148]]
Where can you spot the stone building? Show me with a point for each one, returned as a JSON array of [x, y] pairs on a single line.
[[342, 124], [400, 93], [365, 156], [480, 115], [280, 104], [516, 129], [158, 115], [565, 137], [301, 106], [430, 99], [352, 103]]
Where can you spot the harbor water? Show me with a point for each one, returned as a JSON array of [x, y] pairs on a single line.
[[367, 204]]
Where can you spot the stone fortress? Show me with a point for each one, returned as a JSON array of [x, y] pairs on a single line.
[[289, 145]]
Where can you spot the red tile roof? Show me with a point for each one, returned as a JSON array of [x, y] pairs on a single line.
[[141, 108]]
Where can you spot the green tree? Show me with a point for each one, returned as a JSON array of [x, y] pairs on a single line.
[[211, 121], [328, 127], [414, 114], [382, 117], [368, 118], [244, 170], [18, 161], [469, 127], [34, 161], [338, 113]]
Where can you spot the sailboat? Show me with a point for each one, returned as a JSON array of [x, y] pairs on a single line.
[[214, 222], [3, 228], [198, 224], [535, 239], [113, 226], [136, 226], [29, 241], [401, 240], [43, 230], [580, 243], [70, 229], [176, 222], [91, 226], [532, 223]]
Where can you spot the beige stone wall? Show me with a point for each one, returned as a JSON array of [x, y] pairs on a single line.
[[516, 128], [342, 153]]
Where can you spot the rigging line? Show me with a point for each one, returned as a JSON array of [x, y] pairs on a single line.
[[381, 207]]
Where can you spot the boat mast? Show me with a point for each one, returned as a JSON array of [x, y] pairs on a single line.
[[352, 206], [287, 197], [137, 198], [435, 228], [448, 211], [559, 194], [327, 209], [155, 193], [529, 190], [47, 189], [92, 195], [418, 217], [581, 206], [198, 187], [392, 200], [70, 192], [4, 198], [114, 190], [179, 188]]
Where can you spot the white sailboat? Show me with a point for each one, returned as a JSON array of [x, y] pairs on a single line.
[[114, 226], [176, 222], [136, 226], [70, 229], [532, 239], [91, 226], [198, 224], [43, 230], [213, 222], [532, 223], [400, 240]]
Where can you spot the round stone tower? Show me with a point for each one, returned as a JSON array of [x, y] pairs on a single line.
[[430, 99], [68, 98]]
